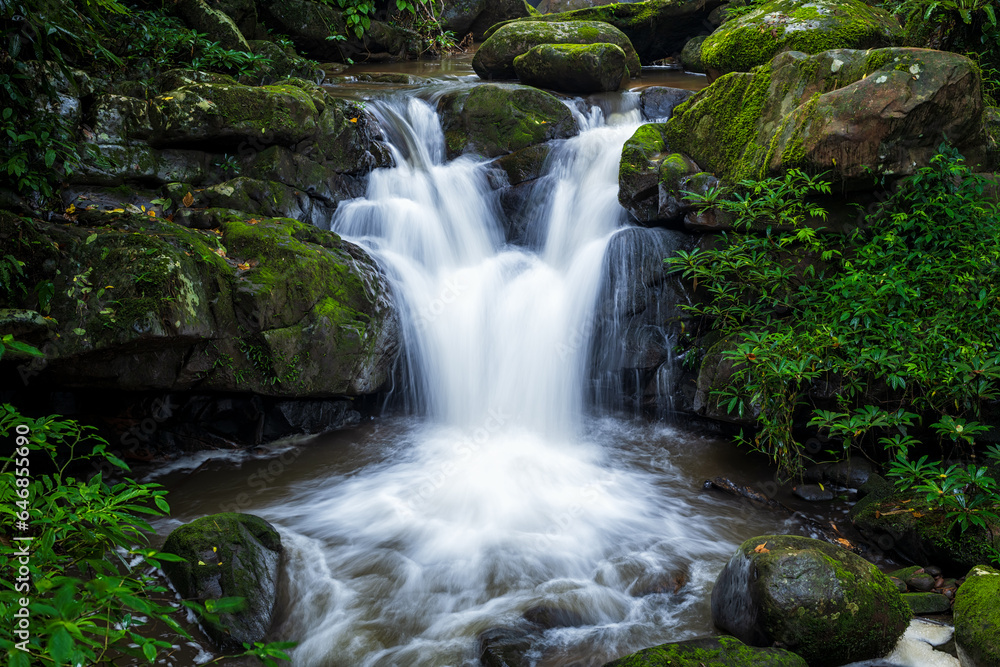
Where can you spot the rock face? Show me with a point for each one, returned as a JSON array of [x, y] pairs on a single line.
[[818, 600], [977, 619], [656, 28], [495, 58], [478, 16], [843, 112], [228, 555], [270, 306], [720, 651], [690, 57], [810, 26], [216, 24], [496, 119], [573, 68], [658, 102]]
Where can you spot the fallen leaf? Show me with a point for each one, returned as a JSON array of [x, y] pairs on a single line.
[[188, 200], [761, 549], [252, 221], [221, 252], [167, 98], [354, 120], [845, 543], [245, 266]]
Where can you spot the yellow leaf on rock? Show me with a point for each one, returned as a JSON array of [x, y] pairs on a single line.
[[188, 200], [354, 120], [761, 548]]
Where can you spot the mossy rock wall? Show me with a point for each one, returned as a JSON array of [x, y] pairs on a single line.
[[573, 68], [819, 600], [264, 305], [852, 114], [656, 28], [718, 651], [810, 26], [977, 618], [495, 58], [496, 119], [228, 555]]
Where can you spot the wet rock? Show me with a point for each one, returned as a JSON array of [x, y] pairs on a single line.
[[813, 493], [842, 112], [927, 603], [658, 583], [850, 473], [495, 119], [524, 165], [920, 581], [715, 373], [495, 58], [573, 68], [721, 651], [658, 102], [216, 24], [506, 646], [690, 57], [651, 177], [657, 28], [977, 618], [899, 583], [809, 26], [743, 491], [819, 600], [546, 617], [271, 306], [228, 555], [478, 16]]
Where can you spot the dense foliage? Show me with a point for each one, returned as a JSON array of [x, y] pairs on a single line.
[[896, 325]]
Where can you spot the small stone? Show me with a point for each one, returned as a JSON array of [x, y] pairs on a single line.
[[921, 582], [927, 603], [813, 493], [900, 584], [933, 570]]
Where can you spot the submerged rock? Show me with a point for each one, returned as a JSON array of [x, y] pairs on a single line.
[[977, 618], [846, 113], [809, 26], [228, 555], [495, 58], [720, 651], [816, 599], [496, 119], [573, 68]]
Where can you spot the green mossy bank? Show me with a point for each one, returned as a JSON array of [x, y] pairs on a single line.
[[977, 618], [719, 651]]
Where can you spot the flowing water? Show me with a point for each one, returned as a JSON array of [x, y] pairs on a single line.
[[409, 538]]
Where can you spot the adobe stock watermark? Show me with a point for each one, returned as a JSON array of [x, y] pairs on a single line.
[[20, 555]]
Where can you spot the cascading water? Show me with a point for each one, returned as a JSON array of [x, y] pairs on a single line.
[[502, 496]]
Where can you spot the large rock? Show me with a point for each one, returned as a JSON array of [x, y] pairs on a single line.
[[977, 618], [844, 112], [495, 58], [573, 68], [658, 102], [656, 28], [269, 306], [477, 16], [816, 599], [718, 651], [228, 555], [810, 26], [651, 177], [495, 119], [906, 524], [216, 24]]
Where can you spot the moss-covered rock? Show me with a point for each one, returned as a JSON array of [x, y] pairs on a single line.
[[650, 177], [573, 68], [847, 113], [284, 63], [977, 618], [524, 165], [819, 600], [907, 525], [656, 28], [719, 651], [269, 306], [216, 24], [927, 603], [228, 555], [495, 119], [690, 57], [810, 26], [244, 15], [495, 58]]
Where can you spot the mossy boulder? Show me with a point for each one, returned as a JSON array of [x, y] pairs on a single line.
[[690, 57], [819, 600], [495, 58], [244, 15], [719, 651], [228, 555], [927, 603], [906, 524], [573, 68], [284, 63], [977, 618], [217, 25], [844, 112], [496, 119], [270, 306], [477, 16], [655, 28], [809, 26], [650, 176], [524, 165]]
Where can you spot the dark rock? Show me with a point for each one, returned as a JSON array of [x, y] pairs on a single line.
[[658, 102], [920, 581], [899, 583], [505, 646], [228, 555], [478, 16], [216, 24], [651, 177], [743, 491], [719, 651], [927, 603], [244, 15], [573, 68], [524, 165], [933, 570], [851, 473], [284, 64], [546, 617], [690, 57], [813, 492], [495, 58], [977, 618], [819, 600]]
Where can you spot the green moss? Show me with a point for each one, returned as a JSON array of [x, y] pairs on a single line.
[[977, 616], [640, 149], [727, 651], [499, 120]]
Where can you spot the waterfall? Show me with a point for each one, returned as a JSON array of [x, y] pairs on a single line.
[[500, 495]]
